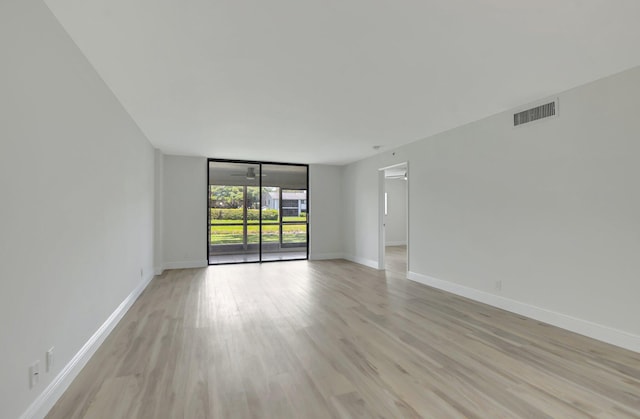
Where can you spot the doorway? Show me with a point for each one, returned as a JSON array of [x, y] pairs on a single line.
[[394, 218], [257, 211]]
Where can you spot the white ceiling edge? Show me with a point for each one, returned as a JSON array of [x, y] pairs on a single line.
[[213, 80]]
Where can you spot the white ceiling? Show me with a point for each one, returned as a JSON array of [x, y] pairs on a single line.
[[323, 81]]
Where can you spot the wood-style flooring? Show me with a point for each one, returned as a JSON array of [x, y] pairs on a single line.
[[329, 339]]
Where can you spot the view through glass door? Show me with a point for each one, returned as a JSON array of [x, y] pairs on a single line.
[[257, 211]]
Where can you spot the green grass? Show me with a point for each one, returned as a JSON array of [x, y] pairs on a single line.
[[225, 234], [286, 219], [250, 222]]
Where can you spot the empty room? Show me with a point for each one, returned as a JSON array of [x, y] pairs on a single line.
[[319, 209]]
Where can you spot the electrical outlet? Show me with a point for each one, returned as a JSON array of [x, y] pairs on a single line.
[[34, 374], [498, 285], [50, 359]]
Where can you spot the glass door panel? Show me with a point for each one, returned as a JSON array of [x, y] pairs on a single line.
[[284, 230], [270, 216], [257, 212], [234, 212], [294, 234]]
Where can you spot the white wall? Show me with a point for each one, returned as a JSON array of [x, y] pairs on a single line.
[[326, 217], [360, 200], [185, 212], [395, 233], [76, 211], [550, 209], [185, 215], [158, 207]]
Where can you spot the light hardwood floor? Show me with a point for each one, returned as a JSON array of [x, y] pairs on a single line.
[[395, 258], [336, 339]]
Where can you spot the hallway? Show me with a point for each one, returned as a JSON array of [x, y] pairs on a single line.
[[395, 259]]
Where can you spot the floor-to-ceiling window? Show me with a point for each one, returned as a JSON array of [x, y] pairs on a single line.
[[257, 211]]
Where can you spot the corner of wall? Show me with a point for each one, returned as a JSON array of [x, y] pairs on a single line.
[[583, 327], [48, 398], [370, 263]]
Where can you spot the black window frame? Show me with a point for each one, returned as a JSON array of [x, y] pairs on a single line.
[[260, 221]]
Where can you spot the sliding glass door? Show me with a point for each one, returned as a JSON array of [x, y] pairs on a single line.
[[234, 212], [257, 211], [284, 228]]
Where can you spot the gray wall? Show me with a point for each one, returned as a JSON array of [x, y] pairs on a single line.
[[76, 213], [550, 209], [326, 218], [185, 216], [184, 212]]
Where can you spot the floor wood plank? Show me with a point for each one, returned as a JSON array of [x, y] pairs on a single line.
[[333, 339]]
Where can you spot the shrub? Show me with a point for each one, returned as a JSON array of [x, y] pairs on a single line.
[[237, 214]]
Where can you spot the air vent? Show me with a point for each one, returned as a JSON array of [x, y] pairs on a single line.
[[534, 114]]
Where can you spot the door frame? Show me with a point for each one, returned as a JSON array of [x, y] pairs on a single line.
[[259, 163], [381, 219]]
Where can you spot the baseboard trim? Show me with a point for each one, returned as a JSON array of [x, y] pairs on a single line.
[[45, 401], [326, 256], [583, 327], [362, 261], [186, 264], [158, 270], [400, 243]]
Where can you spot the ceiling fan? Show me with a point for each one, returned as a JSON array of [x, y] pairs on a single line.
[[249, 175]]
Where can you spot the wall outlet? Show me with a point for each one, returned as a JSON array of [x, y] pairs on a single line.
[[34, 374], [50, 359], [498, 285]]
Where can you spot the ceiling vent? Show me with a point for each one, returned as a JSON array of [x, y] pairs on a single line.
[[537, 113]]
